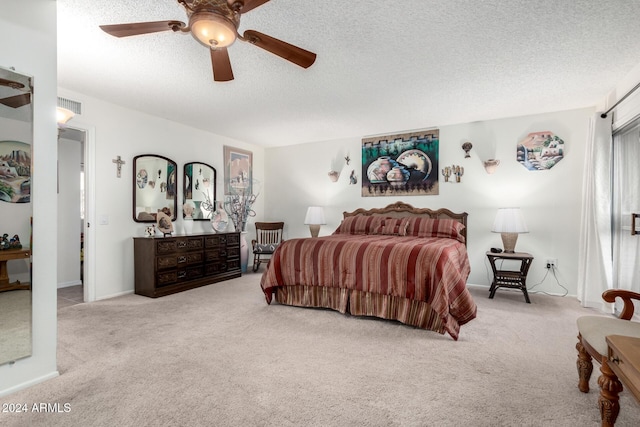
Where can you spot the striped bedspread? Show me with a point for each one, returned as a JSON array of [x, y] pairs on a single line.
[[418, 281]]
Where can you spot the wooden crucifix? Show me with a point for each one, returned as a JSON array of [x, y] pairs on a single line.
[[119, 162]]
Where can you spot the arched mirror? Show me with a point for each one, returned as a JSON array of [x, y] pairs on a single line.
[[16, 137], [154, 187], [199, 190]]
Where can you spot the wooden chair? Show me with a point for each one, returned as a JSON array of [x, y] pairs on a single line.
[[268, 237], [592, 344]]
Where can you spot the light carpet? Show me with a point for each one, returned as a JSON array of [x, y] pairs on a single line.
[[220, 356]]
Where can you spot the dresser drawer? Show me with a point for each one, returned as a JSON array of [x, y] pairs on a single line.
[[215, 268], [214, 255], [179, 244], [215, 240], [173, 261], [166, 278], [233, 252]]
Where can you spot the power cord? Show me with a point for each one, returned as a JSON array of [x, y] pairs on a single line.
[[552, 269]]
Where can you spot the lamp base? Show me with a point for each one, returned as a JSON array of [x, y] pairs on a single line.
[[509, 242], [315, 229]]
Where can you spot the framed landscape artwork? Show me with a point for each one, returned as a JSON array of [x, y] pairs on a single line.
[[238, 170], [540, 150], [15, 172], [401, 165]]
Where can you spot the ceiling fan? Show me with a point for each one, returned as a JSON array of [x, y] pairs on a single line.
[[15, 101], [214, 24]]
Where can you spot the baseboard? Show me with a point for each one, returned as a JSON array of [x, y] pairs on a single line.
[[29, 383], [119, 294]]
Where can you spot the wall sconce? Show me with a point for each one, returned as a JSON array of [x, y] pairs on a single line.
[[314, 218], [509, 222], [63, 116], [334, 175]]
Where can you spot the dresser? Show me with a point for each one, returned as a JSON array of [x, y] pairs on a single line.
[[166, 265]]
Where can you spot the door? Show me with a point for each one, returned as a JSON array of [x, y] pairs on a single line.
[[626, 201]]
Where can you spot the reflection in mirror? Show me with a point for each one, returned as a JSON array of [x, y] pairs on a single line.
[[200, 190], [16, 137], [154, 187]]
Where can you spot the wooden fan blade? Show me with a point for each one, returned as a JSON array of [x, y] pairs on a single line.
[[221, 65], [291, 53], [11, 84], [16, 101], [245, 5], [136, 28]]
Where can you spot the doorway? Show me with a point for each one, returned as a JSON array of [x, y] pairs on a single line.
[[75, 266]]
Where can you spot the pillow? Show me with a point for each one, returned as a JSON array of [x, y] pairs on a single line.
[[431, 227], [361, 224], [395, 227], [265, 249]]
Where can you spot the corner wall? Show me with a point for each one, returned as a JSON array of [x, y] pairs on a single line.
[[550, 199], [118, 131]]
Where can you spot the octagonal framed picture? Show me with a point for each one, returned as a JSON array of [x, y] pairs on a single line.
[[540, 151]]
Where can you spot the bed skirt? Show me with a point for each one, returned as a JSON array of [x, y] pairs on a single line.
[[361, 303]]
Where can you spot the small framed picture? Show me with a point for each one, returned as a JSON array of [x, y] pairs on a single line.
[[238, 170]]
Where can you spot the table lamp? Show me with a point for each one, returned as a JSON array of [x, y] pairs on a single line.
[[509, 222], [314, 218]]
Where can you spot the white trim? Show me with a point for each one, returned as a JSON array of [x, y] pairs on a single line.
[[119, 294], [29, 383]]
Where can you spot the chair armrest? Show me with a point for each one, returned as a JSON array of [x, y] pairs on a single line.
[[253, 243], [610, 295]]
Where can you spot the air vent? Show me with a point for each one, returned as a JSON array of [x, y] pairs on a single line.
[[74, 106]]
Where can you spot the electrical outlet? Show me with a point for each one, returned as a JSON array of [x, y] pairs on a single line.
[[552, 262]]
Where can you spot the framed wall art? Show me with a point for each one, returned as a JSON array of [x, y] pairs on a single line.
[[540, 151], [401, 165], [15, 172], [238, 170]]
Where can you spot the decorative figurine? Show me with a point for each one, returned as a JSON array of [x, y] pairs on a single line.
[[458, 171], [446, 172], [4, 243], [14, 243], [467, 147], [353, 179]]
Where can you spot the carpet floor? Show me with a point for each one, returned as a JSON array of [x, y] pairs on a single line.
[[220, 356]]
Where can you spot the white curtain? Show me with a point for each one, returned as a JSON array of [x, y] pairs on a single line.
[[626, 200], [594, 251]]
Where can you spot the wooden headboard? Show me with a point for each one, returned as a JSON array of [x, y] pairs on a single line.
[[401, 210]]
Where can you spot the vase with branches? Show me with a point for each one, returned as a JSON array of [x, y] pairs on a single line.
[[238, 205]]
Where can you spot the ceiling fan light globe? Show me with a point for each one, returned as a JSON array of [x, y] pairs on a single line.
[[212, 30]]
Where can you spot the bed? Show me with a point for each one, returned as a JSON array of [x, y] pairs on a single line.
[[398, 262]]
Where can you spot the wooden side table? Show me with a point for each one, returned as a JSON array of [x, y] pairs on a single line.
[[621, 366], [516, 279], [7, 255]]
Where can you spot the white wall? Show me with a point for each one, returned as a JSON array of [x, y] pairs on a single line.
[[31, 26], [118, 131], [69, 224], [550, 200]]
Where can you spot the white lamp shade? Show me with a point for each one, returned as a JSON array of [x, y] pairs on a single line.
[[509, 220], [315, 215]]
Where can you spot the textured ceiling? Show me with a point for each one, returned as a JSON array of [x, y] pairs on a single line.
[[383, 66]]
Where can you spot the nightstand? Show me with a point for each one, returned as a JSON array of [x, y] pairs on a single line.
[[516, 279]]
